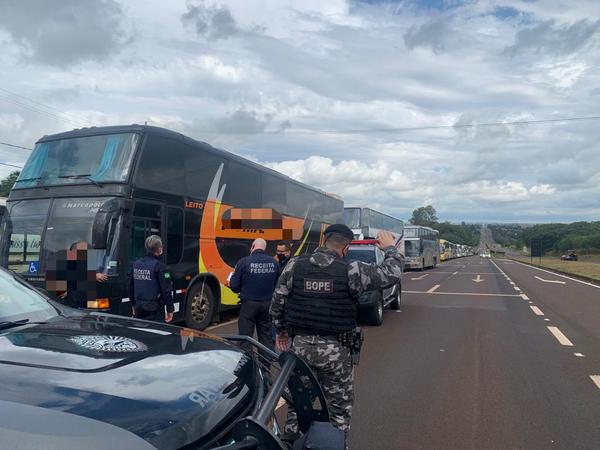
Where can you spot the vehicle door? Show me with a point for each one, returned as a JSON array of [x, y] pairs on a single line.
[[147, 220]]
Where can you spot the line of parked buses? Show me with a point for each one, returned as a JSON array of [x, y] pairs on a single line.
[[113, 186]]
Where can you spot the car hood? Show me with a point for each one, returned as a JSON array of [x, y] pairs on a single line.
[[169, 385]]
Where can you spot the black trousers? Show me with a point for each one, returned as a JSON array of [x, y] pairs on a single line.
[[255, 315]]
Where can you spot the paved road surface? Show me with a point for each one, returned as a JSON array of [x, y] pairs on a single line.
[[484, 354]]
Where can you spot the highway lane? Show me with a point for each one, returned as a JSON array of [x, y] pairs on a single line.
[[469, 364], [456, 370]]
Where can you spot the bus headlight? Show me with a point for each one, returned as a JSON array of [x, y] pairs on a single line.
[[99, 303]]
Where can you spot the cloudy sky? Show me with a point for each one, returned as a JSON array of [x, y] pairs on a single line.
[[359, 98]]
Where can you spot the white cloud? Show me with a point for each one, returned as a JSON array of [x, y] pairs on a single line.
[[264, 78]]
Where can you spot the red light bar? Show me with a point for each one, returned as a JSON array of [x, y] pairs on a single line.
[[364, 242]]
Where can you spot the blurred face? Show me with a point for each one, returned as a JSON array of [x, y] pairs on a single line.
[[283, 251]]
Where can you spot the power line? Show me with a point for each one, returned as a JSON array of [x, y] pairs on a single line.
[[438, 127], [10, 165], [15, 146], [78, 119], [42, 108]]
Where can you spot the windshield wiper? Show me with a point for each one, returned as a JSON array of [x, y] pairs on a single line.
[[17, 323], [87, 176], [28, 179]]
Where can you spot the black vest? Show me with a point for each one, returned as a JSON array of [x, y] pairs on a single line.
[[146, 287], [320, 301]]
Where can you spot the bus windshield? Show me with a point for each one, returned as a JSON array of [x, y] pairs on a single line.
[[31, 245], [352, 217], [412, 248], [89, 159]]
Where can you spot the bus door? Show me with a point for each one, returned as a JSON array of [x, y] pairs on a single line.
[[147, 220]]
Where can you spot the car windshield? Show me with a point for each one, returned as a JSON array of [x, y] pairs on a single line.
[[366, 255], [411, 248], [89, 159], [19, 301]]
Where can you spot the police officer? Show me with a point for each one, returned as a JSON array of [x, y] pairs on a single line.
[[254, 279], [150, 286], [315, 303]]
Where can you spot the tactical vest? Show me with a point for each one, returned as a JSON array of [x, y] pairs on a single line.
[[320, 301], [146, 287]]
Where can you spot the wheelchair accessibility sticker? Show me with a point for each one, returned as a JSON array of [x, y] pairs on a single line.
[[34, 267]]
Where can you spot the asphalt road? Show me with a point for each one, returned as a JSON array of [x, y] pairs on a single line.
[[484, 354]]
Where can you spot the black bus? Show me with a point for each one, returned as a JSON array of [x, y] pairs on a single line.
[[111, 187]]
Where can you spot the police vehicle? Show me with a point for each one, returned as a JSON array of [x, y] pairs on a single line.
[[72, 379], [372, 303]]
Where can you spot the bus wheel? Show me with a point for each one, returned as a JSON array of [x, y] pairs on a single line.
[[395, 304], [200, 306]]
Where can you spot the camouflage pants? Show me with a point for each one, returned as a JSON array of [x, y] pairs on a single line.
[[332, 364]]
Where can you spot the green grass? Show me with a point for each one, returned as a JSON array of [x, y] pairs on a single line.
[[588, 266]]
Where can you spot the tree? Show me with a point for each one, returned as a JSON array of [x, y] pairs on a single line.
[[7, 183], [425, 216]]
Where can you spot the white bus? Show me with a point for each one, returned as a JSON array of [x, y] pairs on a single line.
[[421, 247], [365, 223]]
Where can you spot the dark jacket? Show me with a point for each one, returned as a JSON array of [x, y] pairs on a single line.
[[156, 284], [255, 276]]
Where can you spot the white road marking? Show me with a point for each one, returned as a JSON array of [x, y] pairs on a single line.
[[550, 281], [524, 297], [421, 277], [560, 337], [546, 320], [517, 288], [478, 279], [596, 380], [537, 311], [512, 282], [125, 300], [460, 293], [559, 275], [433, 289], [581, 355], [454, 273], [221, 325]]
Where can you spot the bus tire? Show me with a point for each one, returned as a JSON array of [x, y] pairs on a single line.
[[395, 304], [375, 314], [200, 306]]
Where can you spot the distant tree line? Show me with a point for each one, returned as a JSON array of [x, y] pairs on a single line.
[[465, 234], [7, 183], [555, 237]]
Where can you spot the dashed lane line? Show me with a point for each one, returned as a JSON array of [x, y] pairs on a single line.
[[460, 293], [517, 288], [433, 289], [537, 311], [560, 337], [596, 380], [524, 297], [580, 355]]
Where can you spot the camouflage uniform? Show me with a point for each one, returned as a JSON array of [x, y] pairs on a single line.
[[331, 361]]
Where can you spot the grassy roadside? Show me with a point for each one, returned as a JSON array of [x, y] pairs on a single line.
[[587, 267]]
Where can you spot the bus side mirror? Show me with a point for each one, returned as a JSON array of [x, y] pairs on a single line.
[[102, 223]]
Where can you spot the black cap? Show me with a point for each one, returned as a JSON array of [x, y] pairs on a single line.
[[339, 228]]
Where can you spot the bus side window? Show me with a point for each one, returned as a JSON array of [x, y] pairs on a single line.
[[174, 235]]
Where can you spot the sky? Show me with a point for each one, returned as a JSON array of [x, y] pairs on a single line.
[[365, 99]]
